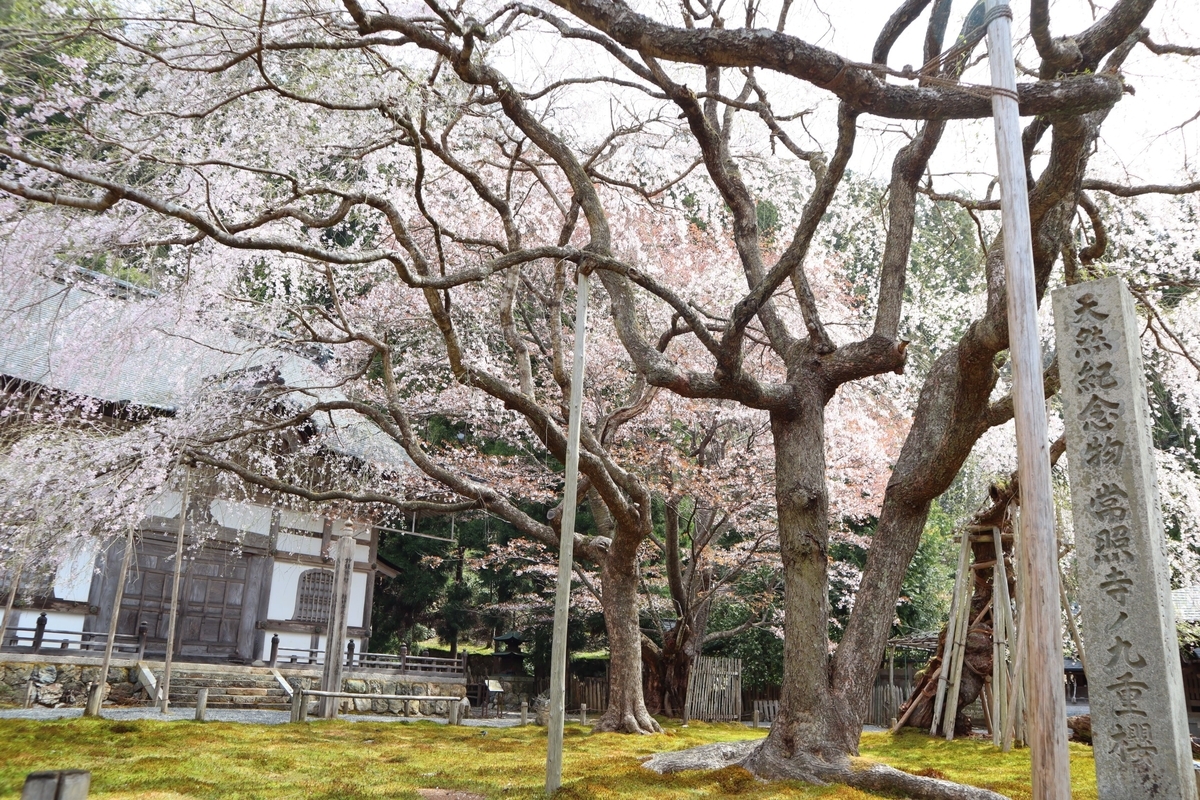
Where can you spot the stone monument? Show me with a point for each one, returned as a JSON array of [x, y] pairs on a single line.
[[1139, 716]]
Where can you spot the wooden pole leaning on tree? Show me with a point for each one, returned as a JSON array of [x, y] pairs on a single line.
[[562, 591], [1040, 624], [165, 683], [112, 629]]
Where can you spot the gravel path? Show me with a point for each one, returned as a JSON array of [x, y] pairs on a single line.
[[236, 715]]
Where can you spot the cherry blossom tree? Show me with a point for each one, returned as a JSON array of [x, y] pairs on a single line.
[[406, 187]]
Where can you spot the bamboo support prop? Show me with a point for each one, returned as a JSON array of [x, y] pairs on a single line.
[[1041, 626], [1011, 731], [165, 684], [912, 706], [940, 697], [985, 702], [1001, 635], [958, 653], [892, 708], [1066, 606], [562, 591]]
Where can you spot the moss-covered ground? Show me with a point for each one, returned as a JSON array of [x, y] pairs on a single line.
[[149, 759]]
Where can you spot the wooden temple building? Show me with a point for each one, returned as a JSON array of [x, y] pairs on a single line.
[[257, 579]]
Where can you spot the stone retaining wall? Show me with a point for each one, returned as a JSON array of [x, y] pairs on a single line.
[[453, 692], [58, 685], [63, 682]]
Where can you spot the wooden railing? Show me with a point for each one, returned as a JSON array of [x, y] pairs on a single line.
[[39, 639], [397, 662]]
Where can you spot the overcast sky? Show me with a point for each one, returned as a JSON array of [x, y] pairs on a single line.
[[1142, 142]]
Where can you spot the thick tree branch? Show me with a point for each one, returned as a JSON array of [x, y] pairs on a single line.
[[857, 85], [1136, 191]]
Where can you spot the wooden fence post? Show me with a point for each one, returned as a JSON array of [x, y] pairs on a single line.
[[350, 653], [71, 784], [274, 650], [39, 632], [403, 657], [754, 716], [524, 712], [95, 697], [453, 718], [297, 699], [201, 704], [583, 713], [27, 702], [143, 632]]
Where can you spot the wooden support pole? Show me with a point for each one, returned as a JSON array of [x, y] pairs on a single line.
[[1014, 693], [999, 667], [165, 684], [453, 717], [754, 717], [524, 712], [958, 654], [201, 703], [112, 623], [892, 707], [951, 625], [985, 702], [1040, 622], [562, 592], [12, 597], [335, 637], [27, 701], [583, 713], [912, 706], [1071, 625]]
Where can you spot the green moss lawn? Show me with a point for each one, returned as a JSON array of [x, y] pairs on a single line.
[[155, 760]]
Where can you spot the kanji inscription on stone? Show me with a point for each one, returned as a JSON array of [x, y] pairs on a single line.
[[1139, 717]]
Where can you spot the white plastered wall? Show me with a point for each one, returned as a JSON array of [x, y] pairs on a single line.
[[55, 621], [294, 543], [166, 504], [285, 582], [242, 516], [73, 579]]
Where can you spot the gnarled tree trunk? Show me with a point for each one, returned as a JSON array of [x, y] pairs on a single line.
[[815, 725], [626, 712]]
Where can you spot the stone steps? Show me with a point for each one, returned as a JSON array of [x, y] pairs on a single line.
[[243, 690]]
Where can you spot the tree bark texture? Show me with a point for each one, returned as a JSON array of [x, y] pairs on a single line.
[[626, 712], [814, 720]]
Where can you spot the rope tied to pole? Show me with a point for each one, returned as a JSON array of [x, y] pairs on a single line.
[[927, 73]]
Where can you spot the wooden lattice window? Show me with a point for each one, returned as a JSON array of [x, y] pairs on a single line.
[[315, 596]]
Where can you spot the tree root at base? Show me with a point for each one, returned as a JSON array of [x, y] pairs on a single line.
[[614, 722], [763, 759]]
